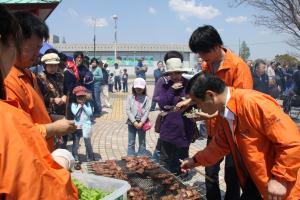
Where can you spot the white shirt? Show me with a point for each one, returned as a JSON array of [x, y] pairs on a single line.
[[228, 115], [270, 72]]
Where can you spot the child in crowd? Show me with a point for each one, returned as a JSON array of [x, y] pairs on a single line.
[[111, 82], [137, 110], [125, 80], [82, 110]]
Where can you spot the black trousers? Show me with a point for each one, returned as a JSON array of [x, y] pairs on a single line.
[[231, 179], [250, 191], [170, 155]]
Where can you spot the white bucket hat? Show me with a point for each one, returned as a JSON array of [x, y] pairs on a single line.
[[50, 58], [175, 65]]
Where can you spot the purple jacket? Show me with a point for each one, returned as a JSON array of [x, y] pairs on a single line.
[[175, 128]]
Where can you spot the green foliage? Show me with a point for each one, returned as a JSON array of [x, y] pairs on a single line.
[[287, 59], [85, 193], [244, 51]]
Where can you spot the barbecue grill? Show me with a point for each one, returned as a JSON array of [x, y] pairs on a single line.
[[153, 187]]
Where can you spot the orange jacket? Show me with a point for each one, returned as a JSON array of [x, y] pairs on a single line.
[[27, 169], [235, 73], [267, 140], [23, 87]]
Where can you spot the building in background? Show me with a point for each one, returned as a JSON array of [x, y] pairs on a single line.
[[129, 54]]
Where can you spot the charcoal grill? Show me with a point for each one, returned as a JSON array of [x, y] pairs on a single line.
[[153, 188]]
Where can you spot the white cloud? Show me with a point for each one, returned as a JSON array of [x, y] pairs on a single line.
[[236, 20], [152, 10], [100, 22], [189, 8], [189, 29], [72, 12]]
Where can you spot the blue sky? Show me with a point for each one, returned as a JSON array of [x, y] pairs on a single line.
[[164, 21]]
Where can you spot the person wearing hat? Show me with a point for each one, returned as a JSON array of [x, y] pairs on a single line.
[[137, 110], [82, 110], [51, 86], [176, 130]]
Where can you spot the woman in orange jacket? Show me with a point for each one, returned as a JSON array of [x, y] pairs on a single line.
[[27, 169], [263, 140]]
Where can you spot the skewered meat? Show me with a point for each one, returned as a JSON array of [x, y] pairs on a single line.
[[136, 193], [109, 168], [139, 164], [188, 194]]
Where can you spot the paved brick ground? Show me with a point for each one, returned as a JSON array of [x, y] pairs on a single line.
[[110, 137]]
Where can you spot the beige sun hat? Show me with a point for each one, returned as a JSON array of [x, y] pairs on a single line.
[[175, 65], [50, 58]]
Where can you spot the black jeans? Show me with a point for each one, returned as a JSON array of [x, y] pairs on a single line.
[[231, 179], [250, 191], [170, 155]]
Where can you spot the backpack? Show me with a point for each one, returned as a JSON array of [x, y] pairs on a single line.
[[88, 78]]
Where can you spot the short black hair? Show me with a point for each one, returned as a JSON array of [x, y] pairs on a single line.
[[173, 54], [9, 27], [161, 62], [51, 50], [201, 82], [63, 57], [116, 65], [94, 59], [78, 53], [258, 62], [204, 39], [31, 24]]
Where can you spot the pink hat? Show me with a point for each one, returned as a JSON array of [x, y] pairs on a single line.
[[79, 91], [139, 83]]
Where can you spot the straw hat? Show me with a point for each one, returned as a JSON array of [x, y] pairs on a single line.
[[175, 65]]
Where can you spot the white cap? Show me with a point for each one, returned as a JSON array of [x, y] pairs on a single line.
[[50, 58], [64, 158], [139, 83]]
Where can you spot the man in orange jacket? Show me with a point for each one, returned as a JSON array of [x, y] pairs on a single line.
[[263, 140], [27, 169], [207, 43], [21, 83]]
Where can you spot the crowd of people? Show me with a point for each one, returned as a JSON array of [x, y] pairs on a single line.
[[59, 99]]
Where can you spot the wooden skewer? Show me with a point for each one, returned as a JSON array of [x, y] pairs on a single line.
[[207, 177]]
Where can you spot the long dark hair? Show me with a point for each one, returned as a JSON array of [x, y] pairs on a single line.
[[9, 29]]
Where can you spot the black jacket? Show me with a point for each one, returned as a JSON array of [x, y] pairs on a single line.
[[261, 83]]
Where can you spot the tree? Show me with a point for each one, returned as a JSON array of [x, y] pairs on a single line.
[[286, 59], [244, 51], [280, 15]]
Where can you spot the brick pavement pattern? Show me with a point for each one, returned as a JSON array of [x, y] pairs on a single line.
[[110, 137]]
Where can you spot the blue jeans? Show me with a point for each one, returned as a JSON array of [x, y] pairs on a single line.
[[132, 132], [76, 138], [117, 83], [97, 90], [125, 86]]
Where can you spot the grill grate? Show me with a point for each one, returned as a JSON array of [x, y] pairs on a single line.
[[153, 188]]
